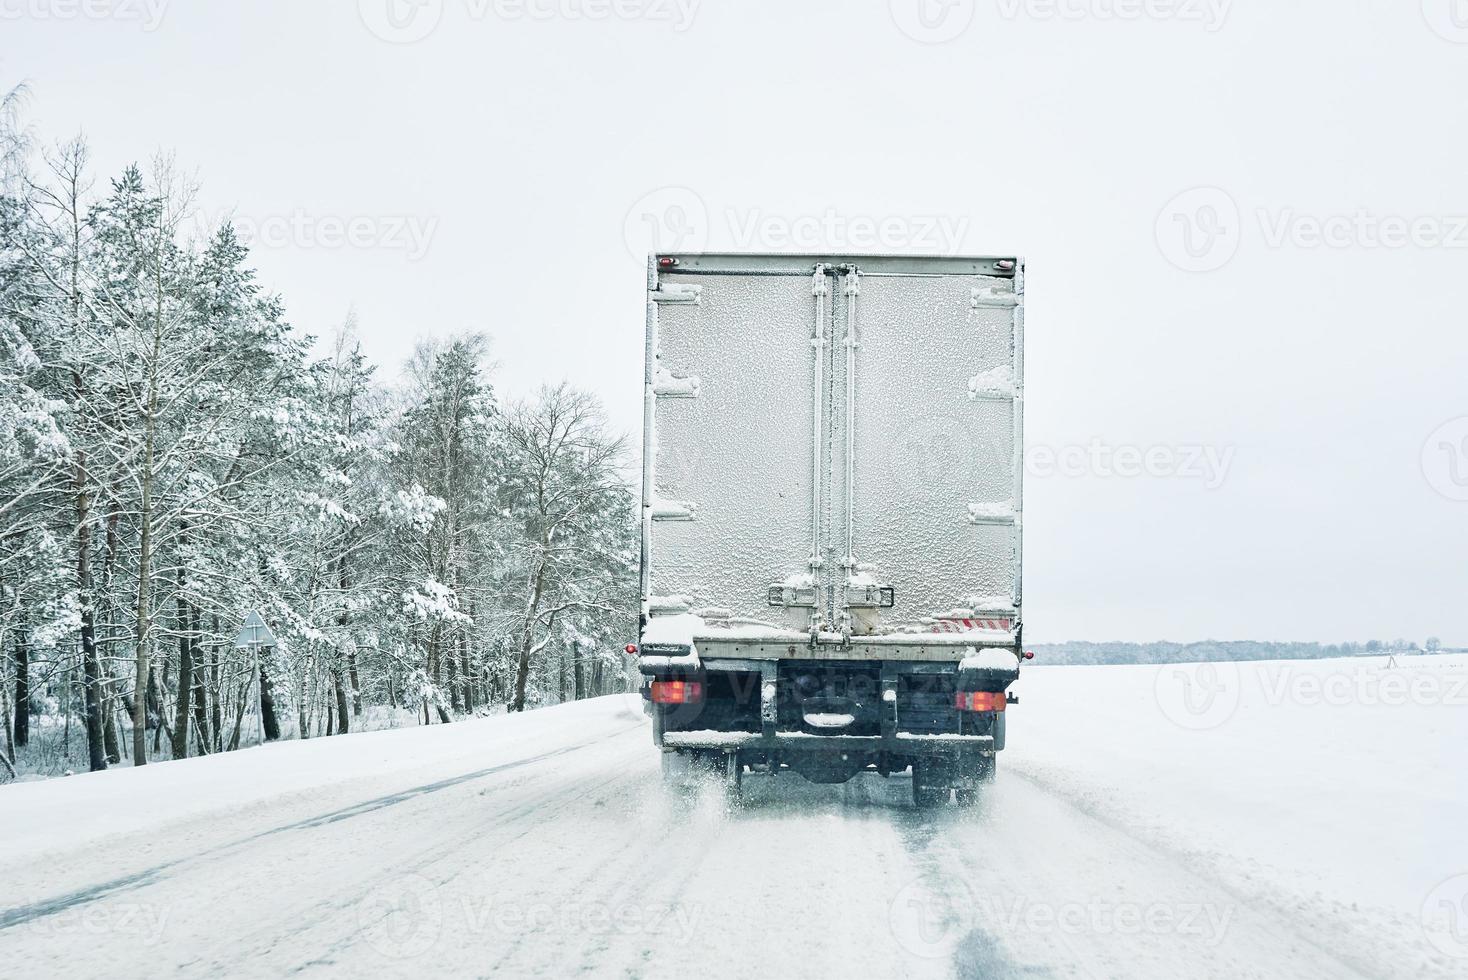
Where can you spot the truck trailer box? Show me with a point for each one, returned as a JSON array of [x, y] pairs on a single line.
[[832, 514]]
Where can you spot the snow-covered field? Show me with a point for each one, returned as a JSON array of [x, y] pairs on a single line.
[[1301, 819]]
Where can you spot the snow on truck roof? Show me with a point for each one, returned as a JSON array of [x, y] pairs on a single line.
[[800, 263]]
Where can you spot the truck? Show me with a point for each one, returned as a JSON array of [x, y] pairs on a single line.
[[832, 484]]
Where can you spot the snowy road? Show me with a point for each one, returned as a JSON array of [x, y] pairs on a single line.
[[543, 845]]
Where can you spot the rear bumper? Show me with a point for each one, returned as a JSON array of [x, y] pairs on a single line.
[[894, 711], [837, 758], [801, 741]]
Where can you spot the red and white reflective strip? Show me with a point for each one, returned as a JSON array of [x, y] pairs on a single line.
[[949, 625]]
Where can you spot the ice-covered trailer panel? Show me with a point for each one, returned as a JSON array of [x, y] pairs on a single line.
[[834, 449], [831, 519]]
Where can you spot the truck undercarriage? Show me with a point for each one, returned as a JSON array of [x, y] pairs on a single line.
[[828, 720]]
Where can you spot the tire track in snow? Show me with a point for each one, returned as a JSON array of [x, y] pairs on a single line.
[[66, 902], [461, 848], [459, 832], [942, 900], [1032, 861], [1280, 922]]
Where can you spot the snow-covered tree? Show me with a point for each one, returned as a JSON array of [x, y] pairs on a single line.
[[174, 454], [562, 479]]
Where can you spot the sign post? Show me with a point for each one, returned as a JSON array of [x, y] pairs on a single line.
[[254, 634]]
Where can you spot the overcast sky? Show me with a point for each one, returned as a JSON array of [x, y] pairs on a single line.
[[1246, 226]]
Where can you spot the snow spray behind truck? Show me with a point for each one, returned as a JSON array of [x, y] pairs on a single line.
[[831, 515]]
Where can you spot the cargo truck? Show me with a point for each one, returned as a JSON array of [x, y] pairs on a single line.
[[831, 516]]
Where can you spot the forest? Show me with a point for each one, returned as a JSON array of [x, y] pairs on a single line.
[[175, 455]]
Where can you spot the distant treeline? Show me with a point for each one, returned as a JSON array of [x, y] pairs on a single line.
[[1163, 652]]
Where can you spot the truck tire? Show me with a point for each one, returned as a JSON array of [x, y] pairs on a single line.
[[930, 786], [683, 771], [691, 773], [987, 769], [733, 779]]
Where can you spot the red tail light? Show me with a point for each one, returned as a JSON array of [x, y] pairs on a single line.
[[676, 692], [979, 700], [631, 649]]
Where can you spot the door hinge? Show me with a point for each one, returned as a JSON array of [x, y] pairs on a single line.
[[992, 514], [993, 297], [871, 597], [673, 510], [678, 293], [794, 596], [666, 384]]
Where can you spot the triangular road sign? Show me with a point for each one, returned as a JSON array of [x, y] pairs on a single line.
[[255, 632]]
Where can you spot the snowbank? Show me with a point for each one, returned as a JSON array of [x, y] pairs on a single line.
[[70, 811], [1333, 787]]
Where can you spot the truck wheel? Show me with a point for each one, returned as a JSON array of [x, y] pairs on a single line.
[[733, 778], [971, 795], [683, 771], [929, 787]]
